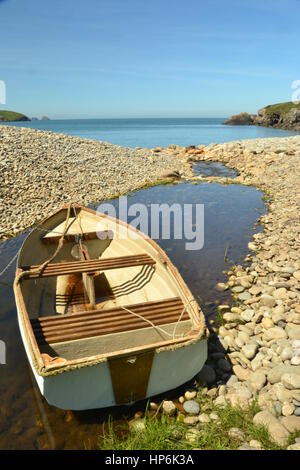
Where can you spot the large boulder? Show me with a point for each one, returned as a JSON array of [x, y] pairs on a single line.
[[242, 119]]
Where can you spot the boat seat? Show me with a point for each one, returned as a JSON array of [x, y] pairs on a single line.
[[74, 237], [57, 329], [88, 266]]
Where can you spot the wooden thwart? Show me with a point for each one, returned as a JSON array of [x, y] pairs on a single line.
[[74, 237], [98, 323], [88, 266]]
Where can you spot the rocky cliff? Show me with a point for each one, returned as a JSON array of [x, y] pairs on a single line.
[[282, 116]]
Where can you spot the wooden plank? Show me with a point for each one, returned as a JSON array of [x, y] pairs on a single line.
[[91, 266], [127, 317], [143, 306], [73, 237], [89, 333], [130, 376]]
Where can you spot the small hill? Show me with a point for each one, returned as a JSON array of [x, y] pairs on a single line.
[[11, 116], [280, 115]]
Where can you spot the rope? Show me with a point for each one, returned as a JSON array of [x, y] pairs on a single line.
[[172, 335], [40, 269]]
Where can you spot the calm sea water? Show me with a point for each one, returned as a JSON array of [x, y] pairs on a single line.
[[155, 132]]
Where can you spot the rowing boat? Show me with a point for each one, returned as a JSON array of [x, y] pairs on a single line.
[[105, 319]]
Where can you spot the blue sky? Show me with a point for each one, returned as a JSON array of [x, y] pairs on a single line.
[[132, 58]]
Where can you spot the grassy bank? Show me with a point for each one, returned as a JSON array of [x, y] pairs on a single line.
[[281, 108], [170, 433]]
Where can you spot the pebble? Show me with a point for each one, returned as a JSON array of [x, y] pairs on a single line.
[[249, 350], [224, 365], [256, 444], [257, 380], [137, 425], [169, 408], [204, 418], [291, 381], [191, 407], [207, 375], [190, 395], [276, 430], [236, 434], [247, 314], [291, 423], [244, 296]]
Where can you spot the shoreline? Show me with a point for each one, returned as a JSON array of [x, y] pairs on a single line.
[[255, 354]]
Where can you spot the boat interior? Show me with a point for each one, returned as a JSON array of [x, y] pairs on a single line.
[[105, 290]]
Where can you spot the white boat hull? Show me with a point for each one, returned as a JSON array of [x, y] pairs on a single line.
[[91, 387]]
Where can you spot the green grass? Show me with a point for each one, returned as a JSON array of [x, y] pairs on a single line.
[[6, 116], [281, 108], [163, 433]]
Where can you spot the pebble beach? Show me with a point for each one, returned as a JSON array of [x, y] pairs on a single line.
[[254, 355], [40, 171]]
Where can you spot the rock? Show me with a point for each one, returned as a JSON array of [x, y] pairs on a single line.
[[137, 425], [286, 353], [153, 406], [213, 416], [191, 420], [192, 435], [237, 289], [295, 446], [241, 373], [232, 380], [191, 407], [244, 296], [204, 418], [291, 381], [256, 444], [221, 401], [224, 365], [276, 430], [268, 300], [267, 323], [249, 350], [277, 372], [190, 395], [291, 423], [257, 380], [287, 409], [297, 411], [236, 434], [274, 333], [246, 447], [293, 333], [169, 408], [242, 119], [239, 397], [247, 314], [206, 376]]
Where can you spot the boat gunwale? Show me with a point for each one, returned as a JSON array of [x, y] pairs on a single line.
[[199, 331]]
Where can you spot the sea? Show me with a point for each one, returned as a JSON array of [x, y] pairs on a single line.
[[152, 132]]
